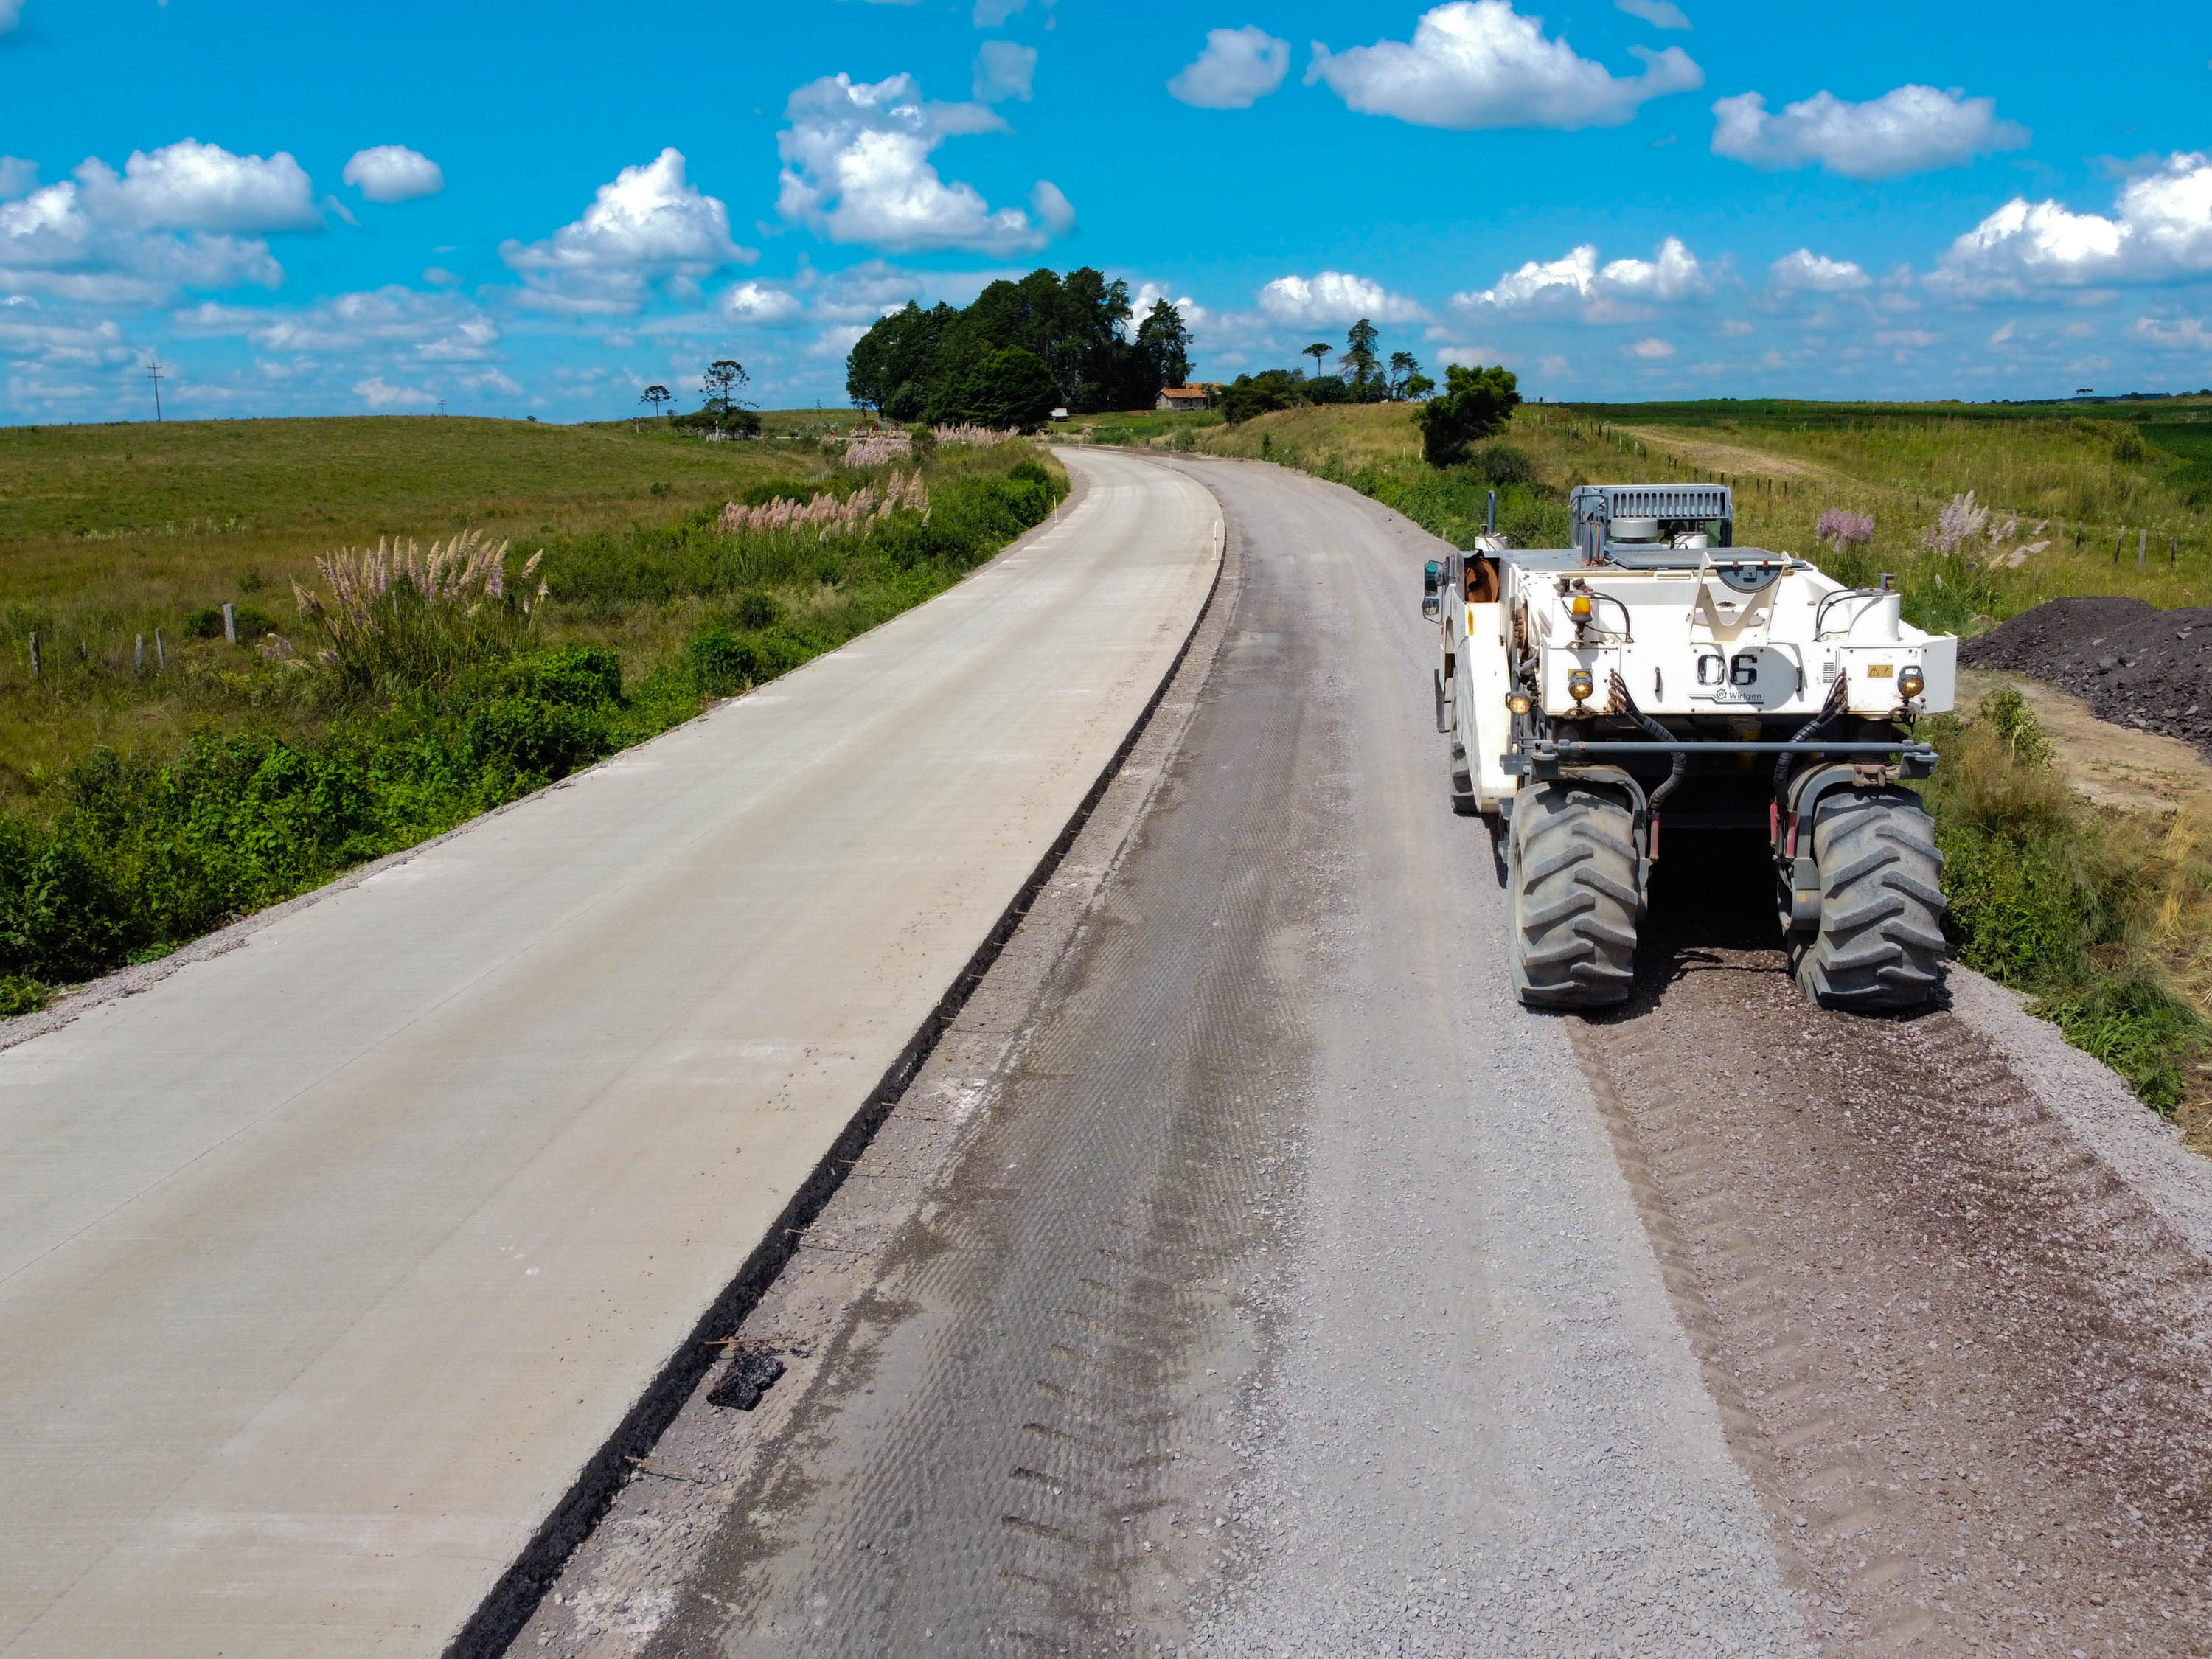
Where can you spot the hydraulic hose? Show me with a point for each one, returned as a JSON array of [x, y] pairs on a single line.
[[1829, 710], [1625, 704]]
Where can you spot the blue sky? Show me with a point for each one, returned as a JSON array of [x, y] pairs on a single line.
[[541, 209]]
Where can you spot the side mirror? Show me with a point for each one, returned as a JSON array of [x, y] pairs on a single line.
[[1432, 582]]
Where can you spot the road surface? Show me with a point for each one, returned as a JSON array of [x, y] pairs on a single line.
[[327, 1265], [1288, 1297]]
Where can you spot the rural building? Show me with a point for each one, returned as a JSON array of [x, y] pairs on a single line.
[[1183, 397]]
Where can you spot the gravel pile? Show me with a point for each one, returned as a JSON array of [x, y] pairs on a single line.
[[2134, 664]]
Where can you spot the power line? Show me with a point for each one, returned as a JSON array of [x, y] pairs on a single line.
[[153, 373]]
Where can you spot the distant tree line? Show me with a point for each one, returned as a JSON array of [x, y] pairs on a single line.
[[1021, 350], [1363, 376]]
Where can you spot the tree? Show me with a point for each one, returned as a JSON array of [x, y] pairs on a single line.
[[1404, 371], [723, 378], [656, 396], [1164, 345], [1476, 402], [1363, 364], [1010, 388], [1317, 350]]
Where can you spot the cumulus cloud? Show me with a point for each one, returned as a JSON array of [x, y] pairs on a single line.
[[2161, 229], [1807, 272], [1651, 350], [652, 224], [1660, 13], [1617, 292], [393, 173], [1913, 128], [1237, 68], [857, 169], [378, 394], [1004, 70], [762, 304], [392, 320], [52, 243], [989, 13], [1477, 63], [1148, 294], [17, 177], [1335, 296], [11, 13], [189, 186]]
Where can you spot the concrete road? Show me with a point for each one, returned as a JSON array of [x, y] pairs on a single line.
[[327, 1264], [1288, 1299]]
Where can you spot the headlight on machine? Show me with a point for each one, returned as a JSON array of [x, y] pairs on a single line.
[[1579, 684], [1910, 683], [1519, 702]]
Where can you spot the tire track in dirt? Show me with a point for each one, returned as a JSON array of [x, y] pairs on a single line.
[[1967, 1366]]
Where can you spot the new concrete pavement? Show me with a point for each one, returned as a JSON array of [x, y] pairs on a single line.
[[327, 1264]]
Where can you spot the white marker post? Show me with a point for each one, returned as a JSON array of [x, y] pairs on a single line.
[[230, 624]]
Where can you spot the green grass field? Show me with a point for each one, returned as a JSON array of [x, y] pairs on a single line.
[[148, 791]]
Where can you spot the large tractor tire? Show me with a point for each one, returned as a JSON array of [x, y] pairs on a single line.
[[1570, 870], [1880, 943]]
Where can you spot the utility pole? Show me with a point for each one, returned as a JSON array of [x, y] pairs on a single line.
[[153, 374]]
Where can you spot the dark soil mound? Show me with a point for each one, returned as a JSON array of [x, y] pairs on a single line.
[[2133, 663]]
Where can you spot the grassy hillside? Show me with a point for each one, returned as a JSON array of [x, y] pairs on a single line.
[[2086, 479], [146, 798]]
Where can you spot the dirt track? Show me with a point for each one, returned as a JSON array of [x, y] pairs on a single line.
[[1966, 1366]]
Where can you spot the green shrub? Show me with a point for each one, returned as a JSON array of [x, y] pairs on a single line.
[[757, 610], [1502, 465], [19, 995]]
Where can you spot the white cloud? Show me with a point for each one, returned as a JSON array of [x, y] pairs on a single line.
[[17, 177], [393, 173], [1674, 275], [1237, 68], [1651, 350], [1004, 70], [189, 186], [2178, 333], [11, 13], [856, 169], [759, 303], [989, 13], [1618, 292], [650, 224], [1660, 13], [1806, 271], [1574, 274], [376, 394], [430, 328], [25, 337], [50, 244], [1335, 296], [1149, 294], [1912, 129], [2162, 229], [1480, 63]]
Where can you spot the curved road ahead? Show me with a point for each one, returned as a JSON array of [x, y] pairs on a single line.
[[327, 1265], [1285, 1296]]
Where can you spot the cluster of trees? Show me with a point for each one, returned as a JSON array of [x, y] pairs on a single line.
[[1021, 350], [723, 410], [1363, 376]]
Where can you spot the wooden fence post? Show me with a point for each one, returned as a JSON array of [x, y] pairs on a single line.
[[2119, 543], [34, 654], [230, 624], [161, 656], [2142, 540], [138, 656]]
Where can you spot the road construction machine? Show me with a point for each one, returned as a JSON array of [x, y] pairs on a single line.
[[1654, 677]]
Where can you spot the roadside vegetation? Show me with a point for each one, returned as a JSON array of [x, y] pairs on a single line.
[[560, 593], [1978, 512], [2103, 916]]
